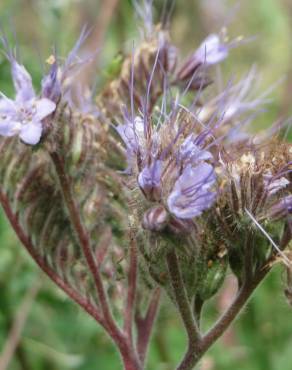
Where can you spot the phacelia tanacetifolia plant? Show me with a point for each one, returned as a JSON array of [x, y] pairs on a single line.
[[154, 186]]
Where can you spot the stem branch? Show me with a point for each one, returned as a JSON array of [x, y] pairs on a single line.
[[191, 357], [84, 241], [132, 288], [26, 241], [127, 351], [181, 299], [145, 325]]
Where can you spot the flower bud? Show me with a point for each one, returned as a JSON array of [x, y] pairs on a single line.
[[51, 87], [155, 219], [210, 52], [149, 181]]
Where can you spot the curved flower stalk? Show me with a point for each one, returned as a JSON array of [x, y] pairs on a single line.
[[56, 194], [143, 190]]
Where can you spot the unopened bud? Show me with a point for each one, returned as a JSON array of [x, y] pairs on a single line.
[[51, 87], [149, 181], [155, 219]]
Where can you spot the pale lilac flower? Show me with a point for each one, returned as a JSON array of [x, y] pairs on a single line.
[[22, 82], [23, 116], [51, 86], [132, 133], [191, 194], [149, 180], [211, 51], [235, 101], [191, 152]]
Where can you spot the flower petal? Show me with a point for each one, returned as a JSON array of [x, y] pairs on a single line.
[[7, 107], [149, 180], [191, 194], [191, 152], [132, 133], [22, 82], [212, 50], [31, 132], [44, 107], [9, 128]]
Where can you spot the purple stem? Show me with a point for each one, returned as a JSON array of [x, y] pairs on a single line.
[[26, 241], [128, 354], [145, 325], [132, 288]]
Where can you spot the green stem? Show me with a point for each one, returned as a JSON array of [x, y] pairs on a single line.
[[181, 299]]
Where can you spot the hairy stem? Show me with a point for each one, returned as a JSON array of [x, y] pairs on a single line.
[[127, 350], [27, 243], [193, 355], [132, 287], [181, 299], [129, 357], [84, 241], [130, 362], [197, 309], [145, 325], [239, 302]]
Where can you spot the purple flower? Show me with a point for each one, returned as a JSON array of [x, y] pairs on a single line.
[[191, 152], [23, 116], [210, 52], [236, 100], [191, 194], [22, 82], [51, 86], [132, 134], [149, 180]]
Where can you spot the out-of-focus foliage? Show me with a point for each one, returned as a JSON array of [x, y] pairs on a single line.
[[57, 334]]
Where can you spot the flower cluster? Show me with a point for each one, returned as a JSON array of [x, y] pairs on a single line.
[[175, 158], [171, 165]]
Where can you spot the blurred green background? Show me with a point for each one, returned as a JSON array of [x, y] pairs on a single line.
[[57, 335]]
